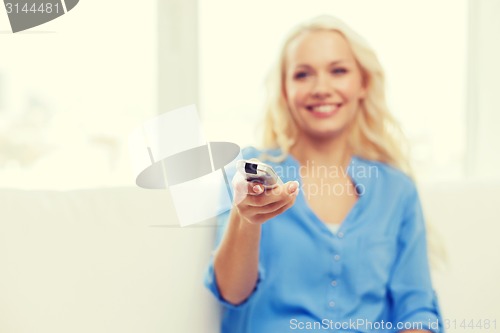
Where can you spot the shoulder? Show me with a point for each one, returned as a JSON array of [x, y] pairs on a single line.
[[385, 178], [258, 153], [250, 152]]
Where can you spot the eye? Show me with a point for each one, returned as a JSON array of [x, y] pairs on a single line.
[[339, 71], [300, 75]]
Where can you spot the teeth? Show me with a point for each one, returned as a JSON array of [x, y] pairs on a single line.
[[325, 108]]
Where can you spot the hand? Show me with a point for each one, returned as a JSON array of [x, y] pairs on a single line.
[[257, 205]]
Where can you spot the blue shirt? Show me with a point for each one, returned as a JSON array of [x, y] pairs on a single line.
[[372, 275]]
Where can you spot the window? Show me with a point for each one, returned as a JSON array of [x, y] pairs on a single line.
[[70, 92]]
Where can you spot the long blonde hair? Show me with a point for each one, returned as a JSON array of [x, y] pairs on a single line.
[[374, 135]]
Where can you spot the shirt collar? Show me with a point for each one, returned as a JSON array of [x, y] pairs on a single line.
[[363, 173]]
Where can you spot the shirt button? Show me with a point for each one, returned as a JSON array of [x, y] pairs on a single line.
[[334, 283], [340, 235], [331, 304], [336, 257]]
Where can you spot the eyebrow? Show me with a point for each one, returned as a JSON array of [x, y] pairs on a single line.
[[336, 62]]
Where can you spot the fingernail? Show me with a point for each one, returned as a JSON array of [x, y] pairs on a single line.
[[257, 189]]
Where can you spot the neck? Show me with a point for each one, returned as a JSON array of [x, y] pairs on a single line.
[[328, 151]]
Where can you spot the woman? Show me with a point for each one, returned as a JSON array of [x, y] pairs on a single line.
[[348, 251]]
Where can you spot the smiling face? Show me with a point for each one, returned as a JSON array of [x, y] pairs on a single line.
[[323, 83]]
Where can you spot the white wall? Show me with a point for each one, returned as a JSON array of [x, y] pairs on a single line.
[[484, 105]]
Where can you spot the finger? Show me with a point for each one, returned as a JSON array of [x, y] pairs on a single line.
[[240, 184], [292, 187], [254, 188], [274, 206], [260, 218], [279, 193]]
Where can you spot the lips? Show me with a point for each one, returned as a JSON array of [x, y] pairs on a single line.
[[324, 109]]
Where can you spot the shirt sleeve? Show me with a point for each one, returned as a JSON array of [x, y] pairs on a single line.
[[210, 281], [414, 300]]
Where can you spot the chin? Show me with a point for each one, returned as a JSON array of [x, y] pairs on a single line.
[[325, 134]]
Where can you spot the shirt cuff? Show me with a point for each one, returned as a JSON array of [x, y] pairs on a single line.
[[211, 284]]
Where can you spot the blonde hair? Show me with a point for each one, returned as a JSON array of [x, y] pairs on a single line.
[[374, 134]]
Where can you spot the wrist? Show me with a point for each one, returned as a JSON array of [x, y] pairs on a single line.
[[243, 223]]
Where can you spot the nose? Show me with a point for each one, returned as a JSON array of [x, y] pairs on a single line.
[[322, 87]]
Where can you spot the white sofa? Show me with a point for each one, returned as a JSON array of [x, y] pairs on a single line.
[[114, 260]]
